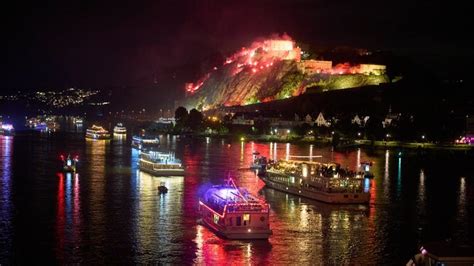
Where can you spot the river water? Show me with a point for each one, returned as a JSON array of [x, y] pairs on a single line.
[[110, 212]]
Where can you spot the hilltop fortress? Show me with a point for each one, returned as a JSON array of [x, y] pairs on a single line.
[[271, 70]]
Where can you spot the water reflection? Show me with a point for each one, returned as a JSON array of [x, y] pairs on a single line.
[[399, 176], [119, 138], [103, 216], [68, 218], [212, 250], [421, 192], [96, 159], [462, 215], [158, 222], [6, 148]]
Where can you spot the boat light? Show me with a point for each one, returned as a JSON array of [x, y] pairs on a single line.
[[249, 230], [7, 127]]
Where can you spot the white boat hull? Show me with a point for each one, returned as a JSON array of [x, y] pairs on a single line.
[[162, 172], [235, 232], [336, 198]]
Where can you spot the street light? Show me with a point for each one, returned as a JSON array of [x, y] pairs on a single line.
[[422, 136], [358, 134]]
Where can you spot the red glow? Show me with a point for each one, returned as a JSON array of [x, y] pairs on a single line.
[[60, 219], [260, 55]]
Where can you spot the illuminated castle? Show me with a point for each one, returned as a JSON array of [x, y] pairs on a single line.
[[270, 70]]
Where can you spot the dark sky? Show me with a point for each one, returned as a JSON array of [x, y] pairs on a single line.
[[112, 43]]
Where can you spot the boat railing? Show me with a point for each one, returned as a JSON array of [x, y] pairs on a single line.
[[166, 166], [232, 208]]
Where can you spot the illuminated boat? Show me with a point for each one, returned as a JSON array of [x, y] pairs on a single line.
[[42, 126], [259, 163], [144, 142], [78, 120], [443, 253], [97, 132], [326, 182], [160, 164], [6, 129], [69, 163], [233, 213], [119, 129]]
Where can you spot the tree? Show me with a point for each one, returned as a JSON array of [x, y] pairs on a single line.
[[181, 114], [195, 119]]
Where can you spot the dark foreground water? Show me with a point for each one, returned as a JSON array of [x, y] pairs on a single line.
[[112, 213]]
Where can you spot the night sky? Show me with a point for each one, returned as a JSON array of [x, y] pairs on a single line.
[[111, 44]]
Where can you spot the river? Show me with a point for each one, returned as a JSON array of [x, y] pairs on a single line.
[[110, 212]]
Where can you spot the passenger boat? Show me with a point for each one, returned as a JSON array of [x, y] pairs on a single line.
[[443, 253], [160, 164], [78, 120], [97, 132], [259, 163], [326, 182], [119, 129], [144, 142], [69, 163], [233, 213]]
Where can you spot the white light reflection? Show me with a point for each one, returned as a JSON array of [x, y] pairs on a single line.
[[275, 155], [421, 193], [358, 159], [311, 152], [271, 151], [6, 143], [287, 157], [462, 220], [386, 170]]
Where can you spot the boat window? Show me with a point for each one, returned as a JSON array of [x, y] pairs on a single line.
[[230, 221], [238, 221]]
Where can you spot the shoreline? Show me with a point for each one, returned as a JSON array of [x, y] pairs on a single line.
[[322, 142], [346, 144]]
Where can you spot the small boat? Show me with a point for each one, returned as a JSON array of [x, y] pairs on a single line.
[[443, 253], [326, 182], [7, 129], [160, 164], [162, 188], [234, 213], [364, 167], [69, 163], [119, 129], [144, 142], [97, 132], [259, 163]]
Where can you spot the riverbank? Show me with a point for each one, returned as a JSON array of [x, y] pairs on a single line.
[[345, 143]]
